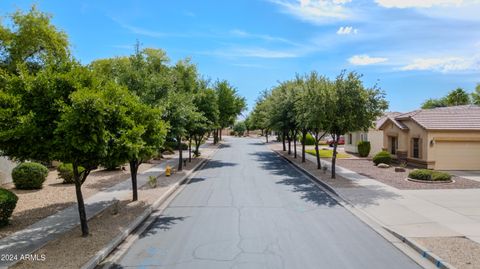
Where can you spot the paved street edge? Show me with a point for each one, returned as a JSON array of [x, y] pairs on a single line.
[[114, 243], [407, 246]]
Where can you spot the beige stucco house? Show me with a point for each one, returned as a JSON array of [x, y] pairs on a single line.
[[374, 136], [445, 138]]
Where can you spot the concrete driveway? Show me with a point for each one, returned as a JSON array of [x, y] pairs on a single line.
[[248, 208], [473, 175]]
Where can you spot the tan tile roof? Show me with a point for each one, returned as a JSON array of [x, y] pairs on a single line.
[[385, 117], [445, 118]]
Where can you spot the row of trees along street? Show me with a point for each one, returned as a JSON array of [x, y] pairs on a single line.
[[107, 113], [317, 105]]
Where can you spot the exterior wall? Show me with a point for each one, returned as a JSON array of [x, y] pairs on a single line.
[[454, 150], [376, 141], [390, 130], [374, 136], [6, 167]]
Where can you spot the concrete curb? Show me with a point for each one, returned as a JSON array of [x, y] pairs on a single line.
[[437, 261], [104, 252], [375, 225]]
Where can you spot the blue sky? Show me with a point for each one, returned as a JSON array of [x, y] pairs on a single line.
[[413, 49]]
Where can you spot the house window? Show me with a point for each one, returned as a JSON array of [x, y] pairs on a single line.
[[393, 145], [350, 139], [416, 147], [363, 137]]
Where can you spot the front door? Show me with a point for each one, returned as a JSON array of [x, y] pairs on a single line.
[[393, 145]]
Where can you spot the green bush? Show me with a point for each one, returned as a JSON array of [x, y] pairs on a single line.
[[174, 145], [8, 201], [421, 174], [363, 148], [309, 141], [27, 176], [425, 174], [382, 157], [65, 172]]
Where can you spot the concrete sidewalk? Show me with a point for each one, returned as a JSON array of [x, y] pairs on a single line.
[[35, 236], [413, 213]]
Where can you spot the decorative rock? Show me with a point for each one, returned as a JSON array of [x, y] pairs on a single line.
[[399, 169], [383, 165]]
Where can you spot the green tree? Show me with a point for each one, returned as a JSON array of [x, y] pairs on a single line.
[[312, 109], [351, 107], [476, 95], [81, 139], [434, 103], [136, 130], [239, 128], [31, 40], [458, 97], [259, 116], [230, 104]]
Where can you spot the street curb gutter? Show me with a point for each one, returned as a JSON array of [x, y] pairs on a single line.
[[103, 253], [426, 254], [439, 263]]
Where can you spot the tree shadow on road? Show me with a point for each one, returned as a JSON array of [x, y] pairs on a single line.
[[217, 164], [300, 184], [162, 223]]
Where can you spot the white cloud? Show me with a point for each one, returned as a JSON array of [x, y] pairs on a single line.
[[315, 11], [423, 3], [269, 38], [444, 64], [240, 52], [347, 30], [365, 60]]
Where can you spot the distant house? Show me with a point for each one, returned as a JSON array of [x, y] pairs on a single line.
[[374, 136], [445, 138]]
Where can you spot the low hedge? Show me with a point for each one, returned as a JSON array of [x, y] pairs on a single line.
[[65, 172], [429, 175], [8, 201], [174, 145], [382, 157], [27, 176], [309, 140], [363, 148]]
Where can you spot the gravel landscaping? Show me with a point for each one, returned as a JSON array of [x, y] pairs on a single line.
[[34, 205], [397, 179], [72, 251], [460, 252]]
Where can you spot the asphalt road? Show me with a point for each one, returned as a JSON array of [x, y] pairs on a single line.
[[248, 208]]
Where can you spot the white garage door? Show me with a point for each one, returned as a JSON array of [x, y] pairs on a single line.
[[457, 155]]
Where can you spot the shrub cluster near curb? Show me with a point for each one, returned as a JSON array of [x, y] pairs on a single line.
[[382, 157], [8, 201], [429, 175], [27, 176]]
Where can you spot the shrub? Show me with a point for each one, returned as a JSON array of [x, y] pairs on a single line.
[[174, 145], [27, 176], [65, 171], [363, 148], [382, 157], [8, 201], [111, 164], [309, 141], [421, 174], [425, 174]]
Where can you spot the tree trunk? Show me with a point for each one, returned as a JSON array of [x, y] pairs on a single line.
[[133, 173], [304, 139], [215, 136], [80, 202], [334, 155], [289, 139], [283, 141], [189, 149], [266, 135], [220, 131], [295, 144], [198, 140], [317, 153], [180, 154]]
